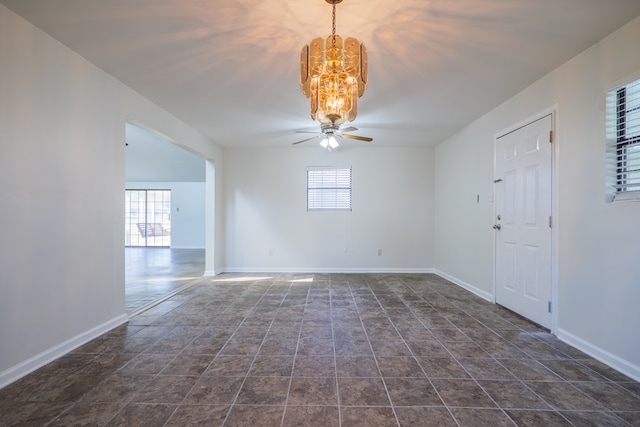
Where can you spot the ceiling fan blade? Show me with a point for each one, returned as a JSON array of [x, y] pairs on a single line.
[[306, 131], [359, 138], [308, 139], [349, 129]]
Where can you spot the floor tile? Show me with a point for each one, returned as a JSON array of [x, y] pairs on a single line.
[[254, 415], [412, 392], [530, 418], [117, 388], [304, 416], [399, 366], [570, 370], [462, 393], [611, 396], [529, 370], [326, 350], [357, 366], [187, 364], [198, 415], [443, 367], [513, 394], [485, 369], [30, 413], [230, 366], [564, 396], [214, 391], [138, 414], [359, 416], [264, 391], [87, 413], [424, 416], [594, 419], [362, 391], [147, 364], [469, 417], [313, 391], [271, 366], [314, 366], [165, 389]]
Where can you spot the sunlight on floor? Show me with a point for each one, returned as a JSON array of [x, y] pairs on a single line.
[[242, 279]]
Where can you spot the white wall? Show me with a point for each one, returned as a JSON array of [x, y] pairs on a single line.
[[62, 171], [598, 244], [187, 211], [265, 208]]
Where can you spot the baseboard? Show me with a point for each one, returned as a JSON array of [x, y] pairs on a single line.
[[20, 370], [476, 291], [327, 270], [188, 247], [617, 363], [210, 273]]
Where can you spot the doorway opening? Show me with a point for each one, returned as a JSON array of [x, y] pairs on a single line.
[[164, 218]]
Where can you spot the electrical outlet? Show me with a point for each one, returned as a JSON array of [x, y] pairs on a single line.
[[379, 252]]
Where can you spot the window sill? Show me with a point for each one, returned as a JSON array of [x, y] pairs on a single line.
[[627, 196]]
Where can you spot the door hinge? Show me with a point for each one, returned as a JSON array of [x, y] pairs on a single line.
[[549, 306], [550, 136], [550, 222]]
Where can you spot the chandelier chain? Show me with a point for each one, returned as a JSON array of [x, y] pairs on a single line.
[[333, 30]]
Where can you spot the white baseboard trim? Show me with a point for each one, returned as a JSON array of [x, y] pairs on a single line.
[[210, 273], [327, 270], [21, 369], [479, 292], [616, 362], [187, 247]]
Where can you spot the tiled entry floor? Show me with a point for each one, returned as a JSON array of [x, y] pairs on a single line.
[[324, 350]]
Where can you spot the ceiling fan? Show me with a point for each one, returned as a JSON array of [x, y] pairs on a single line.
[[329, 132]]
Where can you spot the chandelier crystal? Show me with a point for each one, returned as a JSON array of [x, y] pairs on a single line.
[[333, 74]]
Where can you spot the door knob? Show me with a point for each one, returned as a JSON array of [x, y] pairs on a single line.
[[497, 226]]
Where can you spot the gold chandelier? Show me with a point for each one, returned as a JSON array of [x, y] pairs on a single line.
[[333, 74]]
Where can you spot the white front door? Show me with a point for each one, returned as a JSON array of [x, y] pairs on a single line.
[[523, 220]]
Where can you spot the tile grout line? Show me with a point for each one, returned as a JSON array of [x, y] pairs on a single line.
[[335, 358], [375, 358], [295, 355]]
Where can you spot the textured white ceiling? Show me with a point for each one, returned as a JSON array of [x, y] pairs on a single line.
[[230, 68]]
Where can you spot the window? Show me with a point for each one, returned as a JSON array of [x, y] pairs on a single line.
[[147, 218], [623, 142], [328, 188]]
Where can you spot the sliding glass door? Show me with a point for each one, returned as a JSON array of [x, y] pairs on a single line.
[[148, 218]]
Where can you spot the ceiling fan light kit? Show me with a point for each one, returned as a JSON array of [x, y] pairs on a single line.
[[333, 75]]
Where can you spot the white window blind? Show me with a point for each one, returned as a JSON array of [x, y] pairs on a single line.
[[623, 141], [328, 188]]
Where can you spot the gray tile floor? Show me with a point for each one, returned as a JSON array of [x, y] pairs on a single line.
[[324, 350]]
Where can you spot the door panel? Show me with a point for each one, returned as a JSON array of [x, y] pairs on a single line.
[[523, 210]]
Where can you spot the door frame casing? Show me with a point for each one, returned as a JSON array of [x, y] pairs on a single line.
[[554, 112]]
